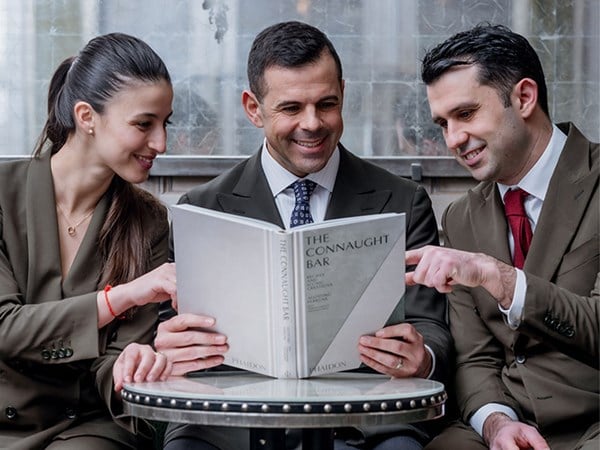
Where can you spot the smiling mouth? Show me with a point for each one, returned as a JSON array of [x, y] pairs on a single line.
[[146, 162], [308, 144], [472, 154]]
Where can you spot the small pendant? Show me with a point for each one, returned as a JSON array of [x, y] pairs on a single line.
[[71, 231]]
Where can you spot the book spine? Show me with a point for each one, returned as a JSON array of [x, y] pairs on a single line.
[[282, 306], [300, 306]]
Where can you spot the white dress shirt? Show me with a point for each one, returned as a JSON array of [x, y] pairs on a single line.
[[280, 181], [535, 183]]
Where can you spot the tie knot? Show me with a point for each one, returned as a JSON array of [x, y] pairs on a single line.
[[303, 189], [514, 202]]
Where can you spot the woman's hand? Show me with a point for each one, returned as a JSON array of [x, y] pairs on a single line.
[[153, 287], [138, 363]]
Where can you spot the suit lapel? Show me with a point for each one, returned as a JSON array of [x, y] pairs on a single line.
[[252, 196], [84, 273], [566, 201], [488, 219], [353, 192], [44, 277]]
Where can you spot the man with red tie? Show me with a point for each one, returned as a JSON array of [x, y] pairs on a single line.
[[521, 262]]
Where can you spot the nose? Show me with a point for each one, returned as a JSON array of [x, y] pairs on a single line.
[[455, 136], [158, 140], [310, 119]]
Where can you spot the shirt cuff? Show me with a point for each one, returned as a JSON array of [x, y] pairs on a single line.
[[514, 314], [432, 361], [478, 419]]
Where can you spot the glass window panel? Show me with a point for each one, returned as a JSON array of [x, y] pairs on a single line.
[[205, 44]]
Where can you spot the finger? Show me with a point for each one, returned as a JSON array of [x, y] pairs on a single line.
[[195, 352], [403, 331], [182, 322], [388, 360], [181, 368], [130, 357], [160, 363], [166, 341], [413, 257], [145, 363], [118, 375]]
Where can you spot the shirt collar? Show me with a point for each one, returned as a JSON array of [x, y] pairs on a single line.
[[536, 181], [280, 179]]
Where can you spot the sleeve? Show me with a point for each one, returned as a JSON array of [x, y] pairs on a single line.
[[140, 328], [563, 320], [48, 319], [480, 357], [425, 308]]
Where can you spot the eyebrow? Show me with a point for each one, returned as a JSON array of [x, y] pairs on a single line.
[[460, 106], [285, 103]]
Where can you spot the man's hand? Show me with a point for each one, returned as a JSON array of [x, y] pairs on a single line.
[[397, 350], [189, 343], [500, 432], [442, 268]]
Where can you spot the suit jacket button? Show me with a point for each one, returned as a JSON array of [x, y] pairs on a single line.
[[54, 354], [11, 412], [521, 359], [68, 352], [46, 354], [70, 413], [61, 353]]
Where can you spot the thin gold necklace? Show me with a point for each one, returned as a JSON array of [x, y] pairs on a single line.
[[72, 229]]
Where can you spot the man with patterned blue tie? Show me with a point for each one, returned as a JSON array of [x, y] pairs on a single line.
[[301, 174], [522, 272]]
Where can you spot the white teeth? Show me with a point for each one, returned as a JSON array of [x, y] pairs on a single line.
[[144, 158], [308, 144], [472, 154]]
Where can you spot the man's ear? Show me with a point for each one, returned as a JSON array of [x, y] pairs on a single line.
[[525, 93], [84, 116], [252, 107]]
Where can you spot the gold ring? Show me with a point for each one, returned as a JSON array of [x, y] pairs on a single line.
[[400, 364]]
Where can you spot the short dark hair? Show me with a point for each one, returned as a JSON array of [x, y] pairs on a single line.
[[105, 65], [286, 44], [502, 58]]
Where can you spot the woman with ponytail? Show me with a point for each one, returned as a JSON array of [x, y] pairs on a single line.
[[83, 254]]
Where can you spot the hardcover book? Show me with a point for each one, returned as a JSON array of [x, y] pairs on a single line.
[[292, 303]]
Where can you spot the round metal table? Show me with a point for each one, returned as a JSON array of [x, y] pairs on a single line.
[[267, 406]]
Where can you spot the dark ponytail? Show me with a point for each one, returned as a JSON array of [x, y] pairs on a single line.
[[105, 66]]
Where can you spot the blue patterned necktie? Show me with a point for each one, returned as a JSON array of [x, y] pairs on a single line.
[[303, 189]]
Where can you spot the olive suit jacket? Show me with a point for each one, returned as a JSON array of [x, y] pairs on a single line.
[[547, 369], [55, 365], [360, 188]]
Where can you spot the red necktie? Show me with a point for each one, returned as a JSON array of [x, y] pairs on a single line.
[[519, 224]]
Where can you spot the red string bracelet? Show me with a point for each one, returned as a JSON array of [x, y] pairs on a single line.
[[107, 288]]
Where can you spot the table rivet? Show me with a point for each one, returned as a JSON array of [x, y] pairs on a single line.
[[137, 398], [399, 404], [264, 408], [224, 406], [206, 405], [424, 402], [327, 408], [413, 404], [173, 402], [146, 399], [244, 407], [383, 406], [286, 408], [432, 400], [307, 408], [347, 407], [159, 401], [366, 406], [188, 404]]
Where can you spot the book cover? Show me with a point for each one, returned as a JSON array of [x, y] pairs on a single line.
[[292, 303]]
